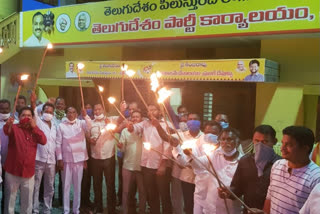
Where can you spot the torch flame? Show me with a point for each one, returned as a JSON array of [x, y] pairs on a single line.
[[208, 148], [163, 94], [124, 67], [159, 74], [49, 46], [1, 50], [80, 65], [154, 82], [111, 127], [147, 145], [112, 100], [101, 89], [188, 144], [103, 130], [24, 77], [130, 73]]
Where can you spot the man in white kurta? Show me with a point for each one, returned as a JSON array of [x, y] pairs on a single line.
[[72, 155], [45, 159], [103, 159], [153, 165], [225, 161]]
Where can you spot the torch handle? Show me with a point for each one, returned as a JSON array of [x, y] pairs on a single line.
[[40, 68], [16, 101], [169, 158], [81, 92], [118, 110], [138, 92]]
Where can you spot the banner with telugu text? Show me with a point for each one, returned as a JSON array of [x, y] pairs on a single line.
[[123, 20], [252, 70]]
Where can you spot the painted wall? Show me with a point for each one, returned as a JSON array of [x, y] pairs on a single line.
[[285, 104]]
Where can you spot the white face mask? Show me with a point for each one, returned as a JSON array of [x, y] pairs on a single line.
[[229, 154], [99, 117], [47, 117], [4, 116], [73, 121]]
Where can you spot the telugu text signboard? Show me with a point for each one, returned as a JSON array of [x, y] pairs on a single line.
[[122, 20]]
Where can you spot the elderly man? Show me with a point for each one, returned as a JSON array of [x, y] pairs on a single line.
[[72, 155], [252, 177], [225, 160], [20, 162]]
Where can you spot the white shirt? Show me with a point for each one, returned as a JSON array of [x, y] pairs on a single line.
[[33, 41], [71, 141], [104, 147], [225, 169], [46, 153], [186, 174], [313, 203], [149, 158], [71, 74], [132, 148]]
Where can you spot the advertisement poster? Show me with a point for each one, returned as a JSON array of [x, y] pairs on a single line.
[[252, 70]]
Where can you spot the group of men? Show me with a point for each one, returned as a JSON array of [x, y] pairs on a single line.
[[190, 168]]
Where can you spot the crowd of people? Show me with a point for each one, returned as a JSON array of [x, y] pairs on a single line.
[[190, 168]]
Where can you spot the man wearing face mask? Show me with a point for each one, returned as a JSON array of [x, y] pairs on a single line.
[[22, 102], [59, 112], [72, 155], [225, 161], [20, 162], [223, 120], [45, 166], [252, 177], [103, 158], [186, 175], [4, 116], [154, 167]]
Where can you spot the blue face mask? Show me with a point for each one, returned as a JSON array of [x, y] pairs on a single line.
[[89, 112], [263, 155], [224, 125], [193, 125], [127, 113], [211, 138]]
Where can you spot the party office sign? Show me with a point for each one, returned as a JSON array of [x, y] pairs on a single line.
[[143, 20]]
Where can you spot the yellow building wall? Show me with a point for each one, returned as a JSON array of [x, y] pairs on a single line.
[[283, 104]]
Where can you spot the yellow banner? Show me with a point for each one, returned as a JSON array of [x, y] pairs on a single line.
[[123, 20], [215, 70]]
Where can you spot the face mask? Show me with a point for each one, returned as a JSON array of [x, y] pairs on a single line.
[[4, 116], [211, 138], [224, 125], [183, 126], [126, 113], [99, 117], [193, 125], [24, 121], [47, 117], [89, 112], [72, 122], [59, 114], [263, 155], [229, 154]]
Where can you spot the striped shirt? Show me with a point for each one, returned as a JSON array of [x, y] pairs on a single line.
[[288, 192]]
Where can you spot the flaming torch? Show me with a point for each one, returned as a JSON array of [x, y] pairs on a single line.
[[101, 89], [112, 100], [130, 73], [148, 147], [80, 66]]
